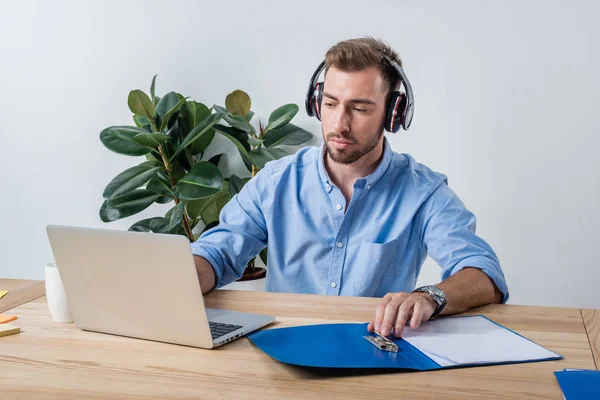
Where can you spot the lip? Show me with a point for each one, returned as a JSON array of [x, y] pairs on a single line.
[[341, 143]]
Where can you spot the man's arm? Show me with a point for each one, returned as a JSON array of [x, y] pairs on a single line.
[[471, 273], [206, 274], [468, 288]]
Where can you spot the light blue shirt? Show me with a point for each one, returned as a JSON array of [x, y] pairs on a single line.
[[397, 215]]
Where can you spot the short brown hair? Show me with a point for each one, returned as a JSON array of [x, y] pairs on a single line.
[[359, 54]]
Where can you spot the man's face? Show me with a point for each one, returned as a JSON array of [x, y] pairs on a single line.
[[352, 113]]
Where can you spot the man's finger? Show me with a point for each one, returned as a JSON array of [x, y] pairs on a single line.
[[404, 312], [417, 316], [389, 318], [380, 312], [371, 326]]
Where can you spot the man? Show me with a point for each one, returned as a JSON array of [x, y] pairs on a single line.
[[352, 217]]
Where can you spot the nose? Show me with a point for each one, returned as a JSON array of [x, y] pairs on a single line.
[[341, 120]]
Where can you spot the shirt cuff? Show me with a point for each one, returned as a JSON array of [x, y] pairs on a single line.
[[204, 253], [489, 267]]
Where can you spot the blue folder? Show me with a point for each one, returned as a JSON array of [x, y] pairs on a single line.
[[579, 384], [341, 345]]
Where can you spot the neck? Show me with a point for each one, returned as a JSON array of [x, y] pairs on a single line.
[[344, 175]]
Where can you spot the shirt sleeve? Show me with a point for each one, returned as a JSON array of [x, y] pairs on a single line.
[[241, 233], [449, 236]]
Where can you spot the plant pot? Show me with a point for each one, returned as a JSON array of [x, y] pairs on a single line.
[[55, 295], [249, 275]]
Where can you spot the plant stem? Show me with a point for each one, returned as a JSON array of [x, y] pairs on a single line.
[[185, 222]]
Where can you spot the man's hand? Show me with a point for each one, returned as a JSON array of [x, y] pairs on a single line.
[[396, 309]]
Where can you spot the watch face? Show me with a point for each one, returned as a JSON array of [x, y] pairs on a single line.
[[437, 291]]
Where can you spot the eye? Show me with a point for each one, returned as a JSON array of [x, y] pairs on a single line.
[[329, 104], [361, 110]]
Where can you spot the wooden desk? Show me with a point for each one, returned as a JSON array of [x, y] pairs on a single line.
[[20, 292], [52, 360]]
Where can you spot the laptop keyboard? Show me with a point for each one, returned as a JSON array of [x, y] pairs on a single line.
[[218, 329]]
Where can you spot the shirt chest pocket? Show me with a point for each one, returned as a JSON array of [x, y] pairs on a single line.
[[375, 262]]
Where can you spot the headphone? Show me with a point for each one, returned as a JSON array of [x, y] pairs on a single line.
[[400, 107]]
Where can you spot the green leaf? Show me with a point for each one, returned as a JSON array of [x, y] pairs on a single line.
[[238, 102], [192, 114], [200, 129], [159, 225], [156, 100], [209, 226], [260, 157], [249, 116], [133, 202], [176, 217], [237, 141], [290, 135], [141, 122], [160, 185], [199, 146], [151, 139], [277, 152], [263, 256], [143, 225], [177, 172], [195, 207], [210, 208], [236, 184], [281, 116], [140, 104], [215, 159], [120, 139], [203, 180], [152, 96], [165, 104], [235, 121], [129, 180], [109, 214], [175, 132], [255, 142], [168, 114]]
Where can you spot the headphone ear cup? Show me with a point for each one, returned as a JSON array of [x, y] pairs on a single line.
[[396, 112], [318, 97]]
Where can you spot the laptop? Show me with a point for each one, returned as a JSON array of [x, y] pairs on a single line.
[[141, 285]]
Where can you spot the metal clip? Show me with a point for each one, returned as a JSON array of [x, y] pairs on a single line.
[[381, 342]]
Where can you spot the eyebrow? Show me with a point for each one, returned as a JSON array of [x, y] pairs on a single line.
[[354, 101]]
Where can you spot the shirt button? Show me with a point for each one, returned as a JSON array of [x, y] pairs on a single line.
[[339, 206], [368, 187], [328, 186], [333, 284], [340, 244]]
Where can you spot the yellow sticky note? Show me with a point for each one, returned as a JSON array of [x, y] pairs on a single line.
[[7, 318], [3, 293], [8, 329]]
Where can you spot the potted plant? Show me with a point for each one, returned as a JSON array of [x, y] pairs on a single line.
[[174, 133], [258, 145]]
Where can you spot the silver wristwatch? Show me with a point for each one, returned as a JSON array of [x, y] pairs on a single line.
[[437, 295]]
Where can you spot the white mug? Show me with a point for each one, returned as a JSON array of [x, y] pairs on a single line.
[[55, 295]]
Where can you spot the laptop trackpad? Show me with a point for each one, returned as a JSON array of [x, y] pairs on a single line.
[[215, 314]]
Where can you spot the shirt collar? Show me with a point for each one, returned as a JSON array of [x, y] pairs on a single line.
[[370, 179]]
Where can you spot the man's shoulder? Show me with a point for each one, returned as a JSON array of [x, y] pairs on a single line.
[[415, 174]]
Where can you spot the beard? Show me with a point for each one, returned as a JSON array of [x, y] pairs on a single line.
[[356, 152]]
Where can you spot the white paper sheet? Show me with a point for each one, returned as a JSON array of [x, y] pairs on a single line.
[[472, 340]]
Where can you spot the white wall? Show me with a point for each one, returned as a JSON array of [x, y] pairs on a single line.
[[505, 106]]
